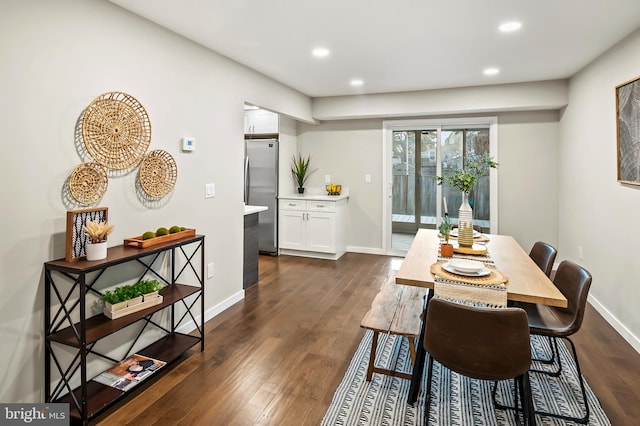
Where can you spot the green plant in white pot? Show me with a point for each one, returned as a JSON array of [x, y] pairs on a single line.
[[96, 233], [465, 180], [300, 170]]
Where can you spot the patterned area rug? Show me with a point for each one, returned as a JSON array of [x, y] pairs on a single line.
[[457, 400]]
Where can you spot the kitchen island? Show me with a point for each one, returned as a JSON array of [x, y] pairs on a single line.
[[250, 264]]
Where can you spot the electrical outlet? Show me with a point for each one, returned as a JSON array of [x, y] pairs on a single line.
[[210, 270], [580, 252], [327, 178], [367, 178]]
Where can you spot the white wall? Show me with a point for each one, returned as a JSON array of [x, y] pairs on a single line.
[[528, 176], [596, 212], [347, 150], [56, 58], [532, 96]]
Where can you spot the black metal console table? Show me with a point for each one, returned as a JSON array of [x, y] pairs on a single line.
[[72, 335]]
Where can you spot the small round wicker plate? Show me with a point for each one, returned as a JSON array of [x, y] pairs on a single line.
[[116, 130], [158, 173], [88, 183], [495, 277]]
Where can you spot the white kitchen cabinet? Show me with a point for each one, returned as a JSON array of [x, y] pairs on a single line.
[[312, 227], [260, 121]]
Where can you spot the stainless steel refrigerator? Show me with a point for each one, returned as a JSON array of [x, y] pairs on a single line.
[[261, 189]]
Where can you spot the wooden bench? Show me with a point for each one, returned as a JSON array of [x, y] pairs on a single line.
[[396, 309]]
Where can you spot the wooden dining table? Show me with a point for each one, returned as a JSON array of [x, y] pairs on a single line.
[[526, 281]]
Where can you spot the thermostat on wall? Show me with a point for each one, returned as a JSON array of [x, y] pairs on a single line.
[[188, 144]]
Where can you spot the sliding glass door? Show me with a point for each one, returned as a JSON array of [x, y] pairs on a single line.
[[414, 179], [419, 153]]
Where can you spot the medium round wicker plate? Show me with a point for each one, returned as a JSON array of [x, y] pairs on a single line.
[[116, 130], [88, 183], [493, 278], [158, 173]]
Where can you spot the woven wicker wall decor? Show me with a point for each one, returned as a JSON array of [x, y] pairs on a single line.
[[88, 183], [116, 130], [158, 173]]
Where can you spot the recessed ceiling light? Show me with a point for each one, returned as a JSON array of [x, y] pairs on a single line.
[[357, 82], [320, 52], [508, 27], [491, 71]]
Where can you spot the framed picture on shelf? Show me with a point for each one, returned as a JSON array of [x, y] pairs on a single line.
[[628, 131], [75, 236]]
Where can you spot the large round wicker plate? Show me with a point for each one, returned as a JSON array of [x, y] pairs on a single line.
[[116, 130], [88, 183], [493, 278], [158, 173]]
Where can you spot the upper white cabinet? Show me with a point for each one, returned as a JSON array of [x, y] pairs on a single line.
[[260, 121], [312, 227]]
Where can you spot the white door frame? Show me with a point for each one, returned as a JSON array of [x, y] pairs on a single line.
[[388, 126]]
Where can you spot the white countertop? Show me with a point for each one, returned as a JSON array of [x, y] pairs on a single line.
[[317, 194], [254, 209]]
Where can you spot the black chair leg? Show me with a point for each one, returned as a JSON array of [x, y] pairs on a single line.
[[528, 409], [517, 384], [427, 398], [584, 419], [552, 359], [555, 354]]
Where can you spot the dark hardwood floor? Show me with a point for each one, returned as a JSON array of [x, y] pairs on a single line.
[[276, 357]]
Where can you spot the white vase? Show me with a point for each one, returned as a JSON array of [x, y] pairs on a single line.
[[96, 251], [465, 222]]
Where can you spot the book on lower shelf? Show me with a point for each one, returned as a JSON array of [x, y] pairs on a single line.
[[129, 372]]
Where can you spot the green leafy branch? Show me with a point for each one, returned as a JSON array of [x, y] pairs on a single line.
[[465, 179]]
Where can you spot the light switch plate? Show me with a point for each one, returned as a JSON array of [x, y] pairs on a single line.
[[210, 190]]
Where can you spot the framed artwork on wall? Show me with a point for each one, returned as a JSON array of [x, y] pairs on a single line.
[[628, 131], [75, 236]]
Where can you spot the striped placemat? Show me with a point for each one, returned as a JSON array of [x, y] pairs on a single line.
[[470, 290]]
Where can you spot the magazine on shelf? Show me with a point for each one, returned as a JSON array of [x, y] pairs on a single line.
[[129, 372]]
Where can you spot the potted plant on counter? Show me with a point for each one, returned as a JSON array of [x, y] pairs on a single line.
[[300, 171]]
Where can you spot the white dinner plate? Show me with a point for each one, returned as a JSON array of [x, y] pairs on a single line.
[[481, 273], [466, 265], [454, 233]]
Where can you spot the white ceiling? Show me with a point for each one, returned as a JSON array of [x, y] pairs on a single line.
[[399, 45]]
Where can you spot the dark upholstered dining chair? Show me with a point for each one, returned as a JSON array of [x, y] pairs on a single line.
[[482, 343], [543, 255], [574, 282]]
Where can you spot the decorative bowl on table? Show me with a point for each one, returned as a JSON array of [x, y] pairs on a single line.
[[333, 189]]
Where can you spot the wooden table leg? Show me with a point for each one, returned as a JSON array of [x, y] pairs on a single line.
[[372, 357], [421, 354]]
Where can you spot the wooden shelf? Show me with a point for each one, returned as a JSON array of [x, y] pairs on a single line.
[[99, 396], [117, 255], [101, 326], [65, 306]]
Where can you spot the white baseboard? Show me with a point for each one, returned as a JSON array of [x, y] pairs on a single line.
[[617, 325], [365, 250], [212, 312]]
